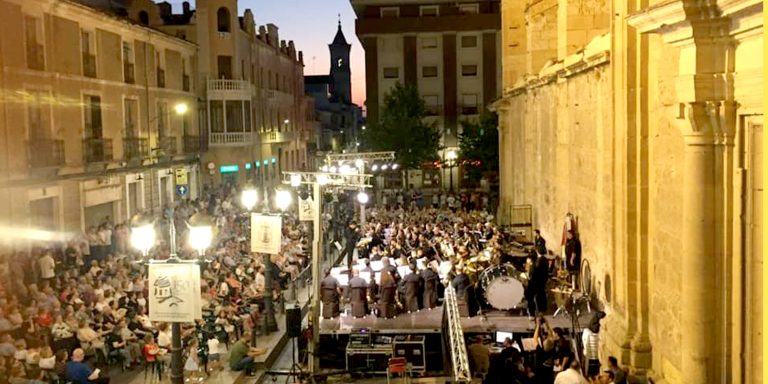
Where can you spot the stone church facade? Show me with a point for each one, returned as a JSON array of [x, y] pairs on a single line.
[[644, 120]]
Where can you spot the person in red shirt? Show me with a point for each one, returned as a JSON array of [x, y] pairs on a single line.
[[44, 318]]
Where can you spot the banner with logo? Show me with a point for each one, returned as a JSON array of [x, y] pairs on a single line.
[[306, 209], [174, 293], [266, 234]]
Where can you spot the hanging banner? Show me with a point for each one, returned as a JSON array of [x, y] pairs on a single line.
[[306, 209], [266, 234], [174, 293]]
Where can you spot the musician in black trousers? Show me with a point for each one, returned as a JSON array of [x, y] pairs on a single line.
[[411, 284], [430, 279], [352, 236], [536, 291]]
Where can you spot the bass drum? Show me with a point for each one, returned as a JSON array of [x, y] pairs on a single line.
[[503, 287]]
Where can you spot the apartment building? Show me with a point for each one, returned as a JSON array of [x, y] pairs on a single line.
[[253, 109], [449, 49], [98, 116]]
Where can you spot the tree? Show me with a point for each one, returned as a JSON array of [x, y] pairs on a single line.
[[401, 128], [479, 146]]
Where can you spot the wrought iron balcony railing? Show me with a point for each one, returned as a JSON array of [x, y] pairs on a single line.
[[97, 150]]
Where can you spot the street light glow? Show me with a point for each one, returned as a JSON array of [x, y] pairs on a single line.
[[283, 199], [181, 108], [451, 155], [249, 197], [143, 237], [362, 197], [201, 232], [295, 180]]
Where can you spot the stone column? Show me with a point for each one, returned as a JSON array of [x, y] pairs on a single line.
[[698, 312]]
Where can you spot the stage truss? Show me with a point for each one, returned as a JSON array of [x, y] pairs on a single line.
[[459, 359]]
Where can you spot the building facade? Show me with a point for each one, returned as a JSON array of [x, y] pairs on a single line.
[[449, 49], [98, 116], [644, 121], [339, 119], [254, 111]]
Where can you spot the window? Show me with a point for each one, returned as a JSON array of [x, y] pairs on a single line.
[[234, 109], [431, 103], [35, 52], [391, 72], [128, 75], [222, 19], [38, 115], [92, 117], [144, 17], [89, 57], [429, 10], [469, 104], [162, 119], [131, 117], [160, 61], [468, 9], [429, 71], [217, 116], [390, 12], [468, 41], [469, 70], [429, 42]]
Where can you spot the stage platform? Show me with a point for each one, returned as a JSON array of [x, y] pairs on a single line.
[[431, 321]]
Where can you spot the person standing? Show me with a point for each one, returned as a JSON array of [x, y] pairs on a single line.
[[461, 284], [358, 295], [539, 243], [47, 266], [411, 284], [573, 257], [590, 339], [388, 292], [430, 279], [330, 292]]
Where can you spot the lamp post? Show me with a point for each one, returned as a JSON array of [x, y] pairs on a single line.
[[249, 198], [143, 238], [451, 157]]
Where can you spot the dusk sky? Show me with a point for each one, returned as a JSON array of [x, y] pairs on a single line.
[[311, 24]]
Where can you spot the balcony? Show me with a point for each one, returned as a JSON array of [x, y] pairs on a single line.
[[230, 139], [191, 144], [89, 65], [97, 150], [35, 57], [434, 110], [229, 90], [134, 148], [160, 78], [469, 110], [128, 75], [168, 145], [185, 82], [277, 137], [43, 153]]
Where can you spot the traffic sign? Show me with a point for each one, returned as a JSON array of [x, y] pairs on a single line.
[[181, 176], [182, 190]]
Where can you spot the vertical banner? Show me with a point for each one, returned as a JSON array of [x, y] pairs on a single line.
[[266, 233], [306, 209], [174, 292]]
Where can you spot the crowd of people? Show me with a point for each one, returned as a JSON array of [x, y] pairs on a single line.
[[68, 307]]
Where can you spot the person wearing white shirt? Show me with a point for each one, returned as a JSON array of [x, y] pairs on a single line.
[[47, 266], [571, 375]]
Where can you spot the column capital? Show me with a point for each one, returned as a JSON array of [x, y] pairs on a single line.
[[709, 122]]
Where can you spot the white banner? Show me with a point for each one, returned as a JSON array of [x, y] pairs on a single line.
[[174, 293], [266, 234], [306, 209]]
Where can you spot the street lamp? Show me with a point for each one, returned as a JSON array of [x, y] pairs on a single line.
[[142, 233], [142, 238], [181, 108], [362, 197], [249, 197], [201, 232], [451, 157], [283, 199]]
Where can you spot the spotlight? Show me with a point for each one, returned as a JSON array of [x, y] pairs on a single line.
[[359, 163], [384, 167], [362, 197], [394, 166], [375, 167], [332, 169], [295, 180], [324, 168], [322, 179]]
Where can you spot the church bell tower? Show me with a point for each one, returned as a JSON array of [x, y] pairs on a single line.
[[341, 79]]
